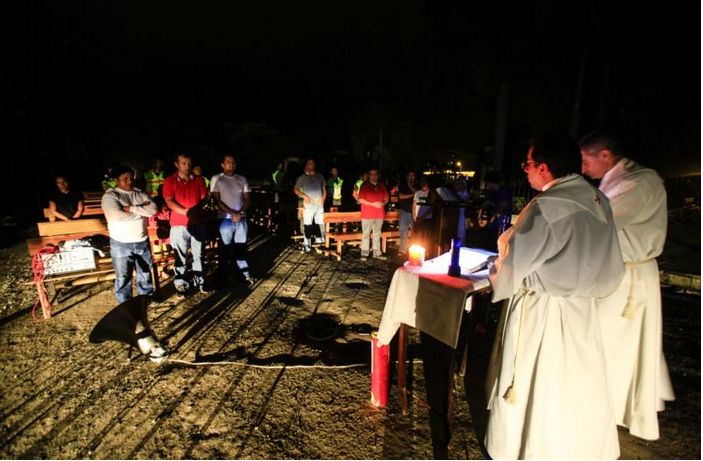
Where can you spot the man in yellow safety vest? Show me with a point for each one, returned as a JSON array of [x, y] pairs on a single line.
[[154, 178], [334, 187], [362, 179]]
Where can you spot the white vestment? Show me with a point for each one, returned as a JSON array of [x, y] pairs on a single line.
[[548, 395], [631, 317]]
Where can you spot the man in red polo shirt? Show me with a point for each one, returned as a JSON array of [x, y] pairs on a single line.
[[373, 196], [184, 193]]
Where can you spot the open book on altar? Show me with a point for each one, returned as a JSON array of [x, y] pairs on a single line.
[[473, 263]]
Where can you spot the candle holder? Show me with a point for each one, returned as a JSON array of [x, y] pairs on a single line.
[[454, 267], [416, 255]]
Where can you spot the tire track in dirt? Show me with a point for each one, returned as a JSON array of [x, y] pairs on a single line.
[[203, 333], [228, 393], [261, 413], [99, 438], [161, 418], [74, 387], [81, 359]]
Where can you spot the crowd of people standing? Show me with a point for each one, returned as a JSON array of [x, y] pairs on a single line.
[[176, 205]]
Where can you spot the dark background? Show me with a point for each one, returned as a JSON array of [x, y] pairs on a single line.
[[93, 82]]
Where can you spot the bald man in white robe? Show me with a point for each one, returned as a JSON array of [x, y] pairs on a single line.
[[631, 318], [548, 395]]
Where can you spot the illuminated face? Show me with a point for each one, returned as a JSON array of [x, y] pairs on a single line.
[[62, 184], [534, 171], [365, 177], [125, 181], [593, 166], [184, 165], [310, 166], [228, 165], [411, 177], [197, 170], [373, 176], [334, 172]]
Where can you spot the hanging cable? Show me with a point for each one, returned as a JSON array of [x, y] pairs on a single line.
[[39, 276]]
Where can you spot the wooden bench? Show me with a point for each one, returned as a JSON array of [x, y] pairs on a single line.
[[52, 233], [353, 237], [92, 206], [57, 231]]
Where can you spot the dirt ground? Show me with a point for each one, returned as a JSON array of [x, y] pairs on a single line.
[[62, 397]]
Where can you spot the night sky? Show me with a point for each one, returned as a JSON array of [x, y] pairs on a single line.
[[96, 81]]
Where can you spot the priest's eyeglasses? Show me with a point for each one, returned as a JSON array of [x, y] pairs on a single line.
[[524, 164]]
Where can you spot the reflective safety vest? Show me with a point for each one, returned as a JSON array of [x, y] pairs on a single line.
[[276, 175], [153, 182], [108, 183], [336, 187]]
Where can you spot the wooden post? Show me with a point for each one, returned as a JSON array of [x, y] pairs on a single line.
[[402, 372]]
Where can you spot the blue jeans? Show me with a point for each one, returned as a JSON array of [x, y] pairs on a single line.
[[406, 223], [233, 236], [125, 256], [182, 239]]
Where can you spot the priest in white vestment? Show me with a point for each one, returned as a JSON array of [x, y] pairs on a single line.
[[548, 395], [631, 317]]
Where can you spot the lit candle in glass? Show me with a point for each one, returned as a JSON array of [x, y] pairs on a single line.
[[416, 255]]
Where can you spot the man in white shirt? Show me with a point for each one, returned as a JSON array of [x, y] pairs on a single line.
[[232, 194], [631, 317], [127, 210], [548, 395]]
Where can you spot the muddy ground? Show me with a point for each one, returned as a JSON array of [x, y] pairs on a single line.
[[62, 397]]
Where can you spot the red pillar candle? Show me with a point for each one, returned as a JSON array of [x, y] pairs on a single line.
[[379, 372]]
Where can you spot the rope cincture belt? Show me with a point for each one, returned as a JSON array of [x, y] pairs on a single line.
[[629, 311], [510, 395]]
